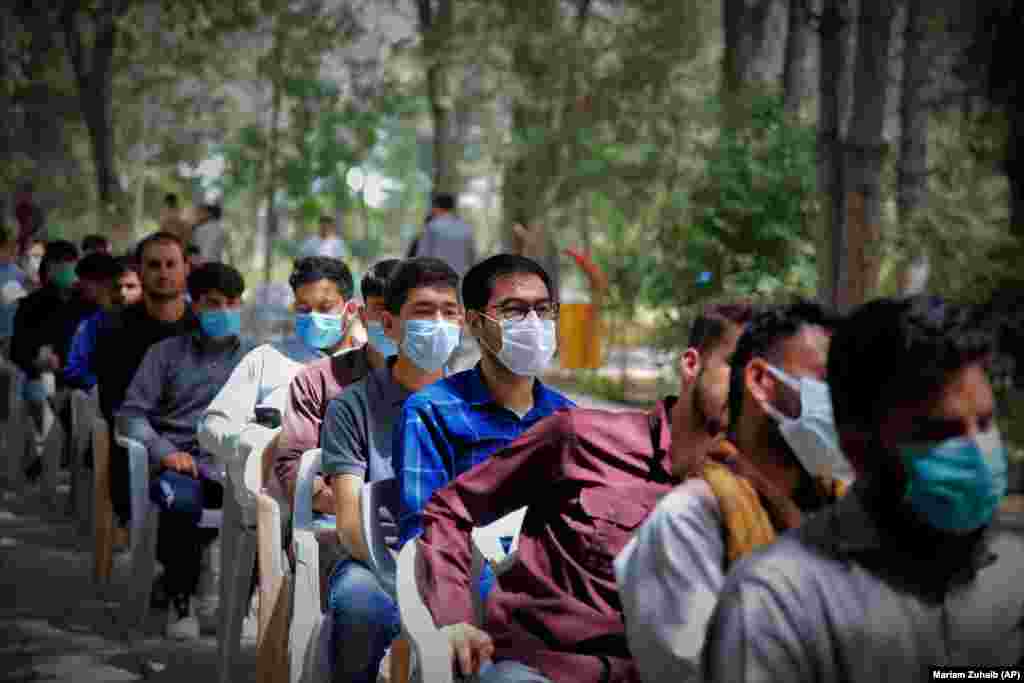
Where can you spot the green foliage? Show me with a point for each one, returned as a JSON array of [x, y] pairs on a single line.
[[749, 217]]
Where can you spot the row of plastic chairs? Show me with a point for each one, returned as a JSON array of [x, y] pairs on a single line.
[[310, 628]]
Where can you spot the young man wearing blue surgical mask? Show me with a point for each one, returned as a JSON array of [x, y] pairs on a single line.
[[421, 315], [769, 470], [316, 384], [459, 422], [906, 575], [174, 384]]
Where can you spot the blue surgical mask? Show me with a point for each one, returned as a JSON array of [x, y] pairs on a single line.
[[224, 322], [429, 343], [384, 344], [320, 330], [956, 485]]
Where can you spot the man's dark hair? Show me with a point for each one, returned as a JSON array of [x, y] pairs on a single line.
[[762, 337], [376, 279], [890, 352], [94, 242], [316, 268], [715, 320], [413, 273], [98, 266], [159, 238], [478, 284], [214, 211], [129, 263], [444, 201], [57, 251], [171, 200], [215, 276], [325, 220]]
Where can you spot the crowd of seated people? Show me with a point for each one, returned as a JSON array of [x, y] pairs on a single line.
[[816, 502]]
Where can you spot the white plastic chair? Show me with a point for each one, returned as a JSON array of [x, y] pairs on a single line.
[[309, 628], [53, 443], [430, 647], [145, 518], [84, 409], [239, 541]]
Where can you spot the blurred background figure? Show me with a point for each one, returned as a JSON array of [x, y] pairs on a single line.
[[326, 243]]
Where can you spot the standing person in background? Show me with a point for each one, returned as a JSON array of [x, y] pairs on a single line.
[[30, 219], [14, 284], [171, 219], [94, 243], [447, 237], [327, 243], [208, 234]]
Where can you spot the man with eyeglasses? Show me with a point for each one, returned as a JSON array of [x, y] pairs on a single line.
[[454, 424]]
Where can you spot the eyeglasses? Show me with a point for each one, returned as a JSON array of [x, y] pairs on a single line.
[[517, 312]]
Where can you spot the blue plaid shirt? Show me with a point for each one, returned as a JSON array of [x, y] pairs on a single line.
[[447, 428]]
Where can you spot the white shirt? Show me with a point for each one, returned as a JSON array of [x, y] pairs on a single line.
[[261, 379], [332, 247], [669, 576]]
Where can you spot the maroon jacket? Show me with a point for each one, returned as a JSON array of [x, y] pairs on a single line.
[[588, 478]]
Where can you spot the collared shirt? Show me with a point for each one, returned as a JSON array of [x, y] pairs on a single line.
[[260, 380], [841, 599], [447, 428], [78, 372], [174, 385], [588, 479], [357, 433], [308, 394]]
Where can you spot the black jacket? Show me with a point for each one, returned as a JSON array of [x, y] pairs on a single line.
[[44, 318]]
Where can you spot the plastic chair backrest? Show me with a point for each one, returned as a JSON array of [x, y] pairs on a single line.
[[376, 533], [302, 506], [430, 646]]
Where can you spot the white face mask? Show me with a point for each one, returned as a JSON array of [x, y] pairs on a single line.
[[527, 346], [812, 436]]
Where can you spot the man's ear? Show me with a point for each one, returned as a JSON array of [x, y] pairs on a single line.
[[756, 379], [391, 324], [361, 312], [690, 363]]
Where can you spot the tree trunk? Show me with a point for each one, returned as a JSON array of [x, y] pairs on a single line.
[[1015, 173], [835, 53], [736, 57], [795, 79], [912, 172], [273, 142], [865, 151], [436, 28]]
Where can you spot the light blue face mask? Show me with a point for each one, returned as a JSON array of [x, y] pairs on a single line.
[[956, 485], [319, 330], [225, 322], [429, 343], [384, 344]]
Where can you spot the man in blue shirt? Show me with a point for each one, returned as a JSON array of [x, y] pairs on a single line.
[[458, 422]]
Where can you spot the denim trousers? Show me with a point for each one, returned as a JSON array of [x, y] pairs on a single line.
[[180, 542], [365, 621]]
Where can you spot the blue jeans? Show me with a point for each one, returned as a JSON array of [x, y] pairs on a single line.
[[180, 541], [365, 622], [510, 671]]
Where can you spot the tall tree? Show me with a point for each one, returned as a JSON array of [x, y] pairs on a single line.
[[90, 37], [912, 171], [795, 74], [864, 152], [436, 22], [833, 32]]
